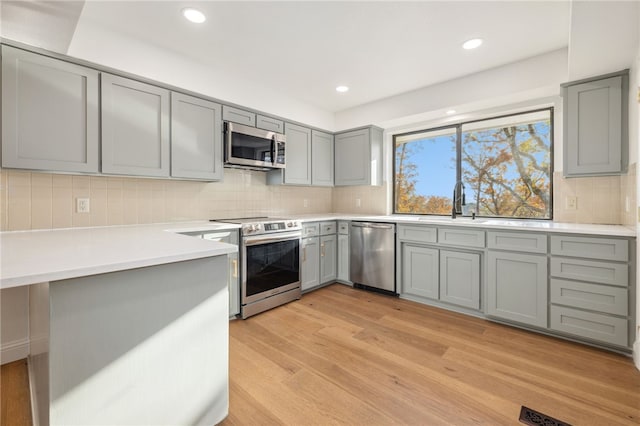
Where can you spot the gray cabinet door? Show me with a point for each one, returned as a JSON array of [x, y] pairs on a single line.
[[352, 158], [420, 274], [269, 123], [310, 264], [460, 278], [343, 258], [321, 159], [49, 114], [238, 115], [328, 258], [196, 138], [298, 155], [135, 127], [517, 287], [595, 127]]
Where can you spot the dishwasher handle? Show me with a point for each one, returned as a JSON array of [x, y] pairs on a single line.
[[371, 225]]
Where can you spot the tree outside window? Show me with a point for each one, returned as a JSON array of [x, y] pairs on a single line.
[[504, 164]]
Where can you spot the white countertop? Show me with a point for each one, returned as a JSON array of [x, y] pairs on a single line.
[[504, 224], [29, 257]]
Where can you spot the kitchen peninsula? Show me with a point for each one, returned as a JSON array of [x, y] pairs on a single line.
[[128, 324]]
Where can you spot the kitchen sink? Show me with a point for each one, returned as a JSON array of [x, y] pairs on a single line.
[[463, 219]]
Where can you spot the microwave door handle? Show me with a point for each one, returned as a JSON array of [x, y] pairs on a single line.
[[273, 150]]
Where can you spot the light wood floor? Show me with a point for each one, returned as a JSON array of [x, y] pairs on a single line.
[[344, 356], [14, 394]]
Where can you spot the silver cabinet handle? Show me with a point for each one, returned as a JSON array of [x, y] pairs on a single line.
[[322, 251], [304, 253]]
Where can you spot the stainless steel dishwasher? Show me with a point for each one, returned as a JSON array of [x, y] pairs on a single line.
[[372, 258]]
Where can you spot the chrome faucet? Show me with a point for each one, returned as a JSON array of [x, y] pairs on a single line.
[[458, 199]]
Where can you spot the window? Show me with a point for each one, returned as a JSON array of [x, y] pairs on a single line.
[[503, 165]]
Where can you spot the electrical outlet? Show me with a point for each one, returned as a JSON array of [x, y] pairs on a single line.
[[358, 202], [627, 204], [305, 203], [82, 205], [571, 202]]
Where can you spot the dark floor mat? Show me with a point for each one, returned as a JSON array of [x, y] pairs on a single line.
[[534, 418]]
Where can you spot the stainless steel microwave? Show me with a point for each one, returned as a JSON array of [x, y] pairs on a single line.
[[247, 146]]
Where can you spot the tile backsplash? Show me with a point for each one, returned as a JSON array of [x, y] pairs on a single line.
[[32, 200], [600, 199]]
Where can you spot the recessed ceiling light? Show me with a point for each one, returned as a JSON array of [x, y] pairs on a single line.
[[472, 44], [342, 89], [194, 15], [451, 112]]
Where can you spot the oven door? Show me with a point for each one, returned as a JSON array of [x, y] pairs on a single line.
[[271, 265]]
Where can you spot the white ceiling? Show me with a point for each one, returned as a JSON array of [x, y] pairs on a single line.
[[305, 49]]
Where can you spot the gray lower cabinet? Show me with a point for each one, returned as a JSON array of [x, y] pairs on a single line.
[[135, 127], [358, 157], [310, 263], [50, 118], [517, 287], [328, 258], [321, 159], [445, 275], [596, 125], [590, 296], [196, 138], [343, 259], [420, 271], [460, 278]]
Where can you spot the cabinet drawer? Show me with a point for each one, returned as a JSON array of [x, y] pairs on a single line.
[[590, 270], [514, 241], [327, 228], [310, 229], [418, 234], [592, 248], [239, 116], [595, 297], [268, 123], [461, 237], [343, 227], [594, 326]]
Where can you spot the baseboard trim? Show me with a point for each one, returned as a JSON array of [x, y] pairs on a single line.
[[13, 351], [636, 353]]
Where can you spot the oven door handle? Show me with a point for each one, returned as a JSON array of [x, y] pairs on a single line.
[[252, 241]]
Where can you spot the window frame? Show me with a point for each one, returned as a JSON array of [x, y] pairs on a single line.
[[458, 130]]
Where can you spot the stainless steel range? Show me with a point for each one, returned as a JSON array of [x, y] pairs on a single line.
[[270, 263]]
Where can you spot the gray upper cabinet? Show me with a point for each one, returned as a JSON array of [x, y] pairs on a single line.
[[135, 127], [596, 125], [298, 158], [268, 123], [238, 115], [49, 114], [321, 159], [358, 157], [196, 138]]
